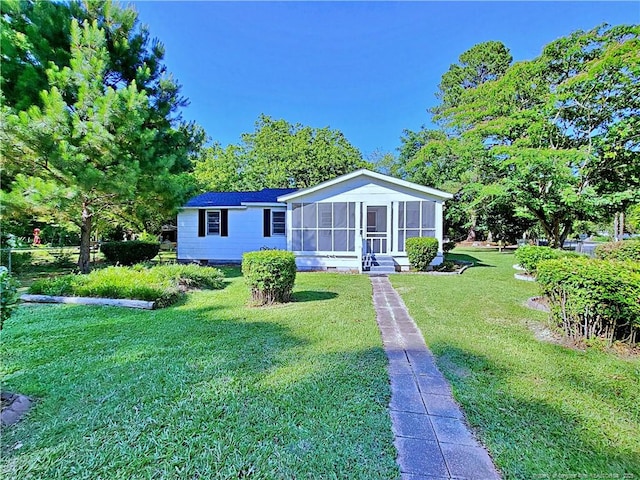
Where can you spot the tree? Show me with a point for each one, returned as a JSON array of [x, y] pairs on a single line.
[[556, 127], [277, 155], [36, 35]]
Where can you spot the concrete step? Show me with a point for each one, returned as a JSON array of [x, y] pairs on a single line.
[[382, 269], [383, 261]]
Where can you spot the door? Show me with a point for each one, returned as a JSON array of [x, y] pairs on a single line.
[[376, 232]]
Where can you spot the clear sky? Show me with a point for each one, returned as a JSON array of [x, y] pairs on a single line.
[[368, 69]]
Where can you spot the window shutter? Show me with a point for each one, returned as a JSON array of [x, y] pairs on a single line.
[[224, 222], [266, 223], [202, 223]]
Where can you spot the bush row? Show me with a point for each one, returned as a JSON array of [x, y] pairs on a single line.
[[130, 252], [530, 256], [270, 275], [421, 251], [161, 284], [626, 250], [593, 297]]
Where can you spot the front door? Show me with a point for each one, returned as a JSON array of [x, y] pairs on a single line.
[[376, 233]]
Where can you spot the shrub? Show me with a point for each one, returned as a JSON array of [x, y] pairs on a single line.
[[156, 284], [593, 298], [529, 256], [421, 251], [448, 246], [129, 253], [9, 297], [626, 250], [55, 286], [270, 275], [193, 276]]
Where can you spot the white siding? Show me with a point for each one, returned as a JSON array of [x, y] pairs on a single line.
[[245, 235]]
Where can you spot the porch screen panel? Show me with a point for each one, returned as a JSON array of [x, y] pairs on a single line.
[[416, 219], [323, 227]]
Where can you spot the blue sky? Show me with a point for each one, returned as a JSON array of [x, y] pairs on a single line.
[[368, 69]]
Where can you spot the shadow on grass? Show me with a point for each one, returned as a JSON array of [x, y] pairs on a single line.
[[529, 436], [467, 258], [313, 296]]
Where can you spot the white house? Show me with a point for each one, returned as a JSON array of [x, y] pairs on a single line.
[[358, 221]]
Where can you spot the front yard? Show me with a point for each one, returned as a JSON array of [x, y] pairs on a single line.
[[205, 389], [543, 410], [211, 389]]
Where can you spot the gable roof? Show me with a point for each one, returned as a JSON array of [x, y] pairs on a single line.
[[372, 175], [237, 199]]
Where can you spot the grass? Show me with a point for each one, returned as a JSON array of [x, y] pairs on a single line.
[[543, 410], [205, 389]]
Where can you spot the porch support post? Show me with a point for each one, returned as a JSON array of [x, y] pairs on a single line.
[[394, 226], [439, 230], [289, 215], [358, 244], [389, 232]]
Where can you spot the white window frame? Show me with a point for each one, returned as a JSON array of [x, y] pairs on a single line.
[[283, 223], [212, 223]]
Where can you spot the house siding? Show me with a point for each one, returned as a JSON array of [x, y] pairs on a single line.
[[245, 234]]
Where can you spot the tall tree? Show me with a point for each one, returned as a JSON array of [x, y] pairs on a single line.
[[278, 155]]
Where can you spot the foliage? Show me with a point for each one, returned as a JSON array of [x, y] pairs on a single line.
[[593, 298], [530, 256], [277, 155], [192, 276], [517, 382], [270, 275], [129, 252], [9, 296], [103, 140], [547, 141], [160, 284], [448, 246], [20, 261], [421, 251], [625, 250]]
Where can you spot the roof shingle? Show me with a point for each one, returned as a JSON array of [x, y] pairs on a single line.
[[236, 199]]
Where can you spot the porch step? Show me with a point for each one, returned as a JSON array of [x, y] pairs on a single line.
[[380, 264]]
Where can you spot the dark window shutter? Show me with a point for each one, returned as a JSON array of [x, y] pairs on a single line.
[[202, 223], [266, 223], [224, 222]]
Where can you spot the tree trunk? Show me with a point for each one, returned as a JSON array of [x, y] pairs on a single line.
[[471, 235], [84, 260]]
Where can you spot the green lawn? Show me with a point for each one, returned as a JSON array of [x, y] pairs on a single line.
[[205, 389], [543, 410]]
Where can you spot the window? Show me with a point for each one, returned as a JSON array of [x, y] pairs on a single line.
[[323, 227], [213, 222], [278, 223], [416, 219]]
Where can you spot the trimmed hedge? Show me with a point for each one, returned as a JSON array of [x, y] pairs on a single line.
[[9, 297], [129, 253], [593, 298], [529, 256], [625, 250], [270, 275], [163, 284], [421, 251]]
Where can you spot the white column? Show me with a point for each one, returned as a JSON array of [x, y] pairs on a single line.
[[396, 217], [289, 227], [439, 230], [389, 236]]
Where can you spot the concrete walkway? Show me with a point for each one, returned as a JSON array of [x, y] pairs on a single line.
[[431, 436]]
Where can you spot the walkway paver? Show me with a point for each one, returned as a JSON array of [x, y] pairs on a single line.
[[431, 435]]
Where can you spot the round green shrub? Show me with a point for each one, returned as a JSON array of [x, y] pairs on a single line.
[[9, 297], [129, 253], [270, 275], [421, 251], [625, 250]]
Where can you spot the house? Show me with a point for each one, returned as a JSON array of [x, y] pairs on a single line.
[[353, 222]]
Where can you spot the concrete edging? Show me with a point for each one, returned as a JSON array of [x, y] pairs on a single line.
[[114, 302]]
